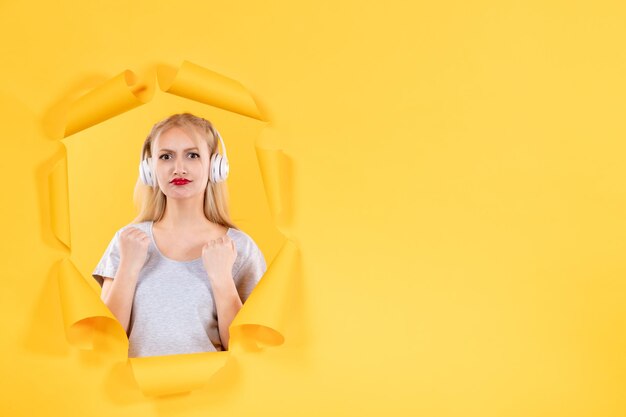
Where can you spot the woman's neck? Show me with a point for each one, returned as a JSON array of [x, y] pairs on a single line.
[[184, 215]]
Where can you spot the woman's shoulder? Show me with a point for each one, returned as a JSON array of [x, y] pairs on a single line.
[[143, 226], [243, 241], [250, 261]]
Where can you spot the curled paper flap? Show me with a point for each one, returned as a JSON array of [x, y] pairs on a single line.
[[176, 374], [89, 324], [200, 84], [59, 202], [277, 176], [262, 320], [116, 96]]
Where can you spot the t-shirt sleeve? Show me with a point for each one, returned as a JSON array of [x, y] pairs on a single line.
[[107, 267], [250, 272]]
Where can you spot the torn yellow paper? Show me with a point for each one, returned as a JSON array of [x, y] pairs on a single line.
[[105, 112], [114, 97], [176, 374], [87, 320], [59, 215], [200, 84]]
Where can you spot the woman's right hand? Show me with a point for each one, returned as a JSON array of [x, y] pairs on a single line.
[[133, 248]]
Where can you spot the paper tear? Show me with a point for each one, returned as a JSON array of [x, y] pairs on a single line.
[[176, 374], [116, 96], [205, 86], [261, 322], [59, 202], [277, 175], [87, 320]]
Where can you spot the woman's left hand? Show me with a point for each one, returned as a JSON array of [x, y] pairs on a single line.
[[218, 257]]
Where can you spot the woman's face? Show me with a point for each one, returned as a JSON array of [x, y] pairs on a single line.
[[179, 157]]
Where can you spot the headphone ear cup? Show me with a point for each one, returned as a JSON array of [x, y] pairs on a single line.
[[145, 172], [219, 168], [215, 161]]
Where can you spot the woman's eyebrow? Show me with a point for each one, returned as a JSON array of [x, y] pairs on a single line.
[[169, 150]]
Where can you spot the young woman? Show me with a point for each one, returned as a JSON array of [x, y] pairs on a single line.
[[178, 274]]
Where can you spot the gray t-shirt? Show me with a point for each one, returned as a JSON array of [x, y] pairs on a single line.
[[174, 309]]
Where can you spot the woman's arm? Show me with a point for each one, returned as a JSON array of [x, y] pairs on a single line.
[[227, 304], [119, 294]]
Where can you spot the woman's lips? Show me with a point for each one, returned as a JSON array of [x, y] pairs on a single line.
[[180, 182]]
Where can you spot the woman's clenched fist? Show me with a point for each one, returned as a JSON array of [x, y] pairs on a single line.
[[133, 248], [218, 257]]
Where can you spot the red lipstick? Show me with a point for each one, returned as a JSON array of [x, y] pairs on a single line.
[[179, 181]]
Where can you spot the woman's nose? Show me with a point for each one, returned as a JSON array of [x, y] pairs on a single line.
[[179, 165]]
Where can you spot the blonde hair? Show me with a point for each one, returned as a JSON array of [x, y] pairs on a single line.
[[151, 201]]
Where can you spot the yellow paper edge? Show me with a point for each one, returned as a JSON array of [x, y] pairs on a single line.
[[88, 322]]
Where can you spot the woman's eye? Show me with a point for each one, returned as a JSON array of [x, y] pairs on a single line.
[[190, 153]]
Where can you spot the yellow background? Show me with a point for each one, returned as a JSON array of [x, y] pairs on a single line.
[[458, 185]]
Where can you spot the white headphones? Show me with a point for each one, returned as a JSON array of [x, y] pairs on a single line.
[[218, 171]]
